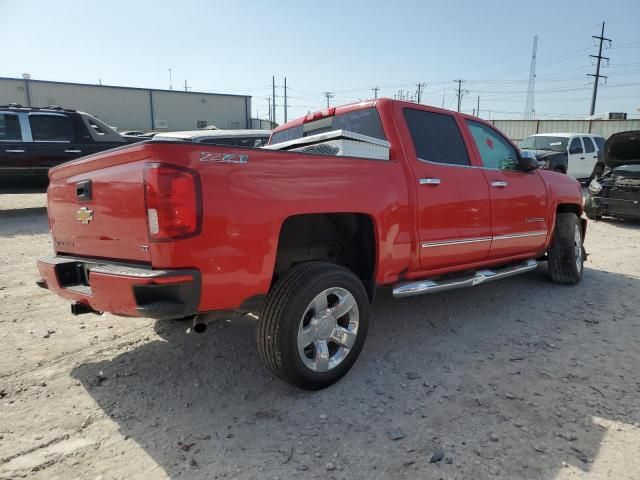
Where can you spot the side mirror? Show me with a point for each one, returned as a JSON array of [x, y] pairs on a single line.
[[527, 163]]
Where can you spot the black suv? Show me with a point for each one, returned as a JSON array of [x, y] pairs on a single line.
[[32, 140]]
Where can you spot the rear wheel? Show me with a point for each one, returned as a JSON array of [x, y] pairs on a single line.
[[566, 254], [313, 325]]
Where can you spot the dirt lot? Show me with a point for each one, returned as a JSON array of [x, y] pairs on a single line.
[[514, 379]]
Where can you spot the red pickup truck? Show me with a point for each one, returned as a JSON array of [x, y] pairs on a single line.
[[301, 234]]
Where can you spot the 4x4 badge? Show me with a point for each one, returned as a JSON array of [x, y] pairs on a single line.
[[84, 215]]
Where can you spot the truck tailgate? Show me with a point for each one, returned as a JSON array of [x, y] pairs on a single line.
[[96, 207]]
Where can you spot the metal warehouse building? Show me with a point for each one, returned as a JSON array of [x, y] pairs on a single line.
[[133, 108]]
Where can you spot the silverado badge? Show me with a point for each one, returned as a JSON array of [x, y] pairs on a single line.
[[84, 215]]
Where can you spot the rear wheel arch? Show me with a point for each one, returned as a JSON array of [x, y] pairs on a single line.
[[347, 239]]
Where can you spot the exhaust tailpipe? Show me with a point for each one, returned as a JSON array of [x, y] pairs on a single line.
[[78, 308], [198, 325]]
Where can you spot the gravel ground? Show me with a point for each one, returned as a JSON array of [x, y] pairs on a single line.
[[514, 379]]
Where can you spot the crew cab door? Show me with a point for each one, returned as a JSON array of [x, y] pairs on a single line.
[[519, 222], [451, 195], [577, 159], [591, 156]]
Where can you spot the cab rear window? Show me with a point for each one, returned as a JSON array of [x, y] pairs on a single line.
[[365, 122]]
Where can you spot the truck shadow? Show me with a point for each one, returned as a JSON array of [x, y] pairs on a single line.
[[23, 221], [523, 361]]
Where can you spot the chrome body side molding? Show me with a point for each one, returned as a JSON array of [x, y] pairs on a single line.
[[443, 243]]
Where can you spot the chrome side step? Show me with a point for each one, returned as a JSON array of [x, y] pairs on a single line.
[[431, 286]]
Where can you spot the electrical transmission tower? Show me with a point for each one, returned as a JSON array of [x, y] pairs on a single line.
[[597, 75], [530, 109]]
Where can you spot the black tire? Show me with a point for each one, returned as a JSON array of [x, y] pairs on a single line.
[[287, 303], [565, 263]]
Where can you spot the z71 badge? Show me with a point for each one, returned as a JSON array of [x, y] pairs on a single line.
[[217, 157]]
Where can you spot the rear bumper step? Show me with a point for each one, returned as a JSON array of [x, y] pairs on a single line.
[[432, 286], [128, 290]]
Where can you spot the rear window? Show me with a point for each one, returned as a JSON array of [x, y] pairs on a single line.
[[9, 127], [365, 122], [51, 128]]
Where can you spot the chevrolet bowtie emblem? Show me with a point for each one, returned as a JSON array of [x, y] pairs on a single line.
[[84, 215]]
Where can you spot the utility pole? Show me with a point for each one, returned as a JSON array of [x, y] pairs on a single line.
[[420, 86], [329, 96], [444, 94], [170, 80], [375, 92], [478, 109], [461, 92], [597, 75], [273, 98], [269, 105], [186, 87], [285, 99]]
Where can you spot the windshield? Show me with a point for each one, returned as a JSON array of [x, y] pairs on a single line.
[[541, 142], [366, 122]]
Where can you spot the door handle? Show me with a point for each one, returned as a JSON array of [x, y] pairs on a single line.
[[581, 158], [499, 184], [14, 151], [73, 151], [429, 181]]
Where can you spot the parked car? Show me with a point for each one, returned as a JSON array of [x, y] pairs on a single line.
[[405, 196], [617, 192], [32, 140], [235, 138], [576, 154]]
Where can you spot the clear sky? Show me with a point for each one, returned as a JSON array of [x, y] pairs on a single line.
[[345, 47]]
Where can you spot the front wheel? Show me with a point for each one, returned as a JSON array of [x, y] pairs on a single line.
[[566, 254], [313, 325]]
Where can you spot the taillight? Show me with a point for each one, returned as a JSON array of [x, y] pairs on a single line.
[[172, 198]]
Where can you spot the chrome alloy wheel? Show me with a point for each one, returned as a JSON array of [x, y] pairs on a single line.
[[328, 329], [577, 245]]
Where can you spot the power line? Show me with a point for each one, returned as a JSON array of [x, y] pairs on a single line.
[[597, 75]]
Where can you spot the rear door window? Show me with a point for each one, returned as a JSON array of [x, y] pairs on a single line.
[[599, 142], [51, 127], [10, 127], [436, 137], [588, 145]]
